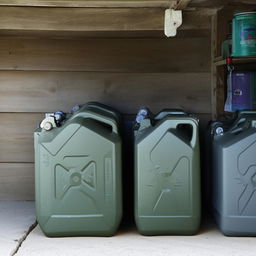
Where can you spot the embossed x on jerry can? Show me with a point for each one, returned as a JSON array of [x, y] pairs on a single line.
[[167, 173], [78, 172], [234, 174]]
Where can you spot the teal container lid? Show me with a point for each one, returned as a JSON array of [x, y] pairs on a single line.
[[245, 13]]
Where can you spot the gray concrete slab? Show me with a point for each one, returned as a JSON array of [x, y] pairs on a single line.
[[16, 218], [208, 242]]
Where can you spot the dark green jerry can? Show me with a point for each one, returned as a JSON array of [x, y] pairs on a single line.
[[167, 173], [78, 172], [233, 175]]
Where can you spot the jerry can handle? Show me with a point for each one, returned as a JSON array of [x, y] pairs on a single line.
[[170, 111], [103, 108], [236, 125], [242, 118], [193, 140], [98, 117], [246, 112], [170, 124], [105, 120]]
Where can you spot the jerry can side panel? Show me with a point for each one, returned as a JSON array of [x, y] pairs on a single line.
[[146, 216], [232, 186], [240, 178], [235, 208], [159, 177], [82, 181]]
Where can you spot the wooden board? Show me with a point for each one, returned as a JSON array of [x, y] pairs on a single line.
[[90, 3], [182, 4], [208, 3], [242, 2], [112, 55], [221, 3], [122, 3], [192, 33], [16, 136], [17, 181], [33, 91], [79, 20]]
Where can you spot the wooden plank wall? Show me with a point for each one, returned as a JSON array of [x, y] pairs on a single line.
[[40, 75]]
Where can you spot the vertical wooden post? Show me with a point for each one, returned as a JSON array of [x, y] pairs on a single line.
[[220, 30], [213, 67]]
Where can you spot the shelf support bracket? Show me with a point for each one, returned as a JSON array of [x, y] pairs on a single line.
[[172, 20]]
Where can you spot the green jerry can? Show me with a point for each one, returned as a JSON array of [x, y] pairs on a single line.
[[78, 172], [233, 151], [167, 173]]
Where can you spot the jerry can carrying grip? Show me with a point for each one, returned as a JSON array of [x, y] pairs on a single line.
[[98, 117], [243, 121], [244, 112], [162, 114], [104, 109], [193, 140], [173, 124]]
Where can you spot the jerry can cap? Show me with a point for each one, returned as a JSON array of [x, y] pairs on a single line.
[[142, 114], [52, 120]]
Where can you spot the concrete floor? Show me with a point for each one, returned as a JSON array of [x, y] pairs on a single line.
[[127, 242], [16, 219]]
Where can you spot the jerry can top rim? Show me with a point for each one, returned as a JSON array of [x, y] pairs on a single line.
[[178, 118], [245, 13]]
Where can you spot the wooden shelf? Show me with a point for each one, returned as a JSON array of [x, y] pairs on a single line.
[[219, 61], [91, 3], [95, 18], [180, 4], [82, 21]]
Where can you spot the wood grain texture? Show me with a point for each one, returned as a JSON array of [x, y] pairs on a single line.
[[250, 3], [122, 3], [90, 3], [33, 91], [16, 136], [149, 34], [17, 181], [221, 3], [92, 19], [182, 4], [112, 55]]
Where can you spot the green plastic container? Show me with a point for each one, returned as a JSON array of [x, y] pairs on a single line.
[[232, 148], [244, 34], [167, 173], [78, 172]]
